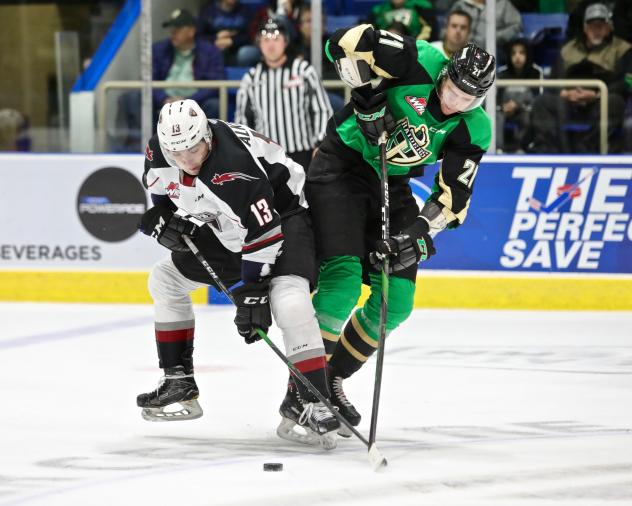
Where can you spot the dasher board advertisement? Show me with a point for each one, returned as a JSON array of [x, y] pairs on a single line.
[[559, 214], [74, 212]]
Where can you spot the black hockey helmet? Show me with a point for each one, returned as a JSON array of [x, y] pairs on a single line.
[[472, 70], [273, 26]]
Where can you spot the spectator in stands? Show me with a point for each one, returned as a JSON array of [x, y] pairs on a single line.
[[514, 102], [13, 131], [304, 42], [508, 20], [181, 57], [457, 33], [596, 54], [621, 17], [282, 97], [576, 10], [417, 15], [225, 24], [305, 50]]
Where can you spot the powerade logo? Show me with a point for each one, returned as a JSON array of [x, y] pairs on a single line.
[[110, 203], [568, 219], [102, 205]]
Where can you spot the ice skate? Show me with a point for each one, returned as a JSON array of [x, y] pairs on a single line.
[[340, 401], [309, 423], [174, 399]]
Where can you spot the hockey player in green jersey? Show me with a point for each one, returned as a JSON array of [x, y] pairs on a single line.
[[431, 109]]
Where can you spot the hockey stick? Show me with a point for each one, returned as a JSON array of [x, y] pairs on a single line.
[[562, 198], [384, 300], [375, 457]]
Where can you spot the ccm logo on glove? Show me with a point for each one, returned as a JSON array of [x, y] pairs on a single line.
[[255, 300]]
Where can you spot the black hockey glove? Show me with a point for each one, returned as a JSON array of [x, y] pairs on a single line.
[[412, 246], [373, 114], [253, 309], [168, 228]]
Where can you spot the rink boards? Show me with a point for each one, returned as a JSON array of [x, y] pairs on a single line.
[[542, 232]]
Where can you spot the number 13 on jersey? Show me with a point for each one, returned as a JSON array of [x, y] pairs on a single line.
[[261, 211]]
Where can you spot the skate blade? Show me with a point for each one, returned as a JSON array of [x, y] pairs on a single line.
[[286, 430], [189, 410]]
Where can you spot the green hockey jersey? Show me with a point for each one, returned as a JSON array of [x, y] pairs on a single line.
[[384, 15], [410, 70]]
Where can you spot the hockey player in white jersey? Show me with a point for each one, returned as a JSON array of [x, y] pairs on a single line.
[[240, 198]]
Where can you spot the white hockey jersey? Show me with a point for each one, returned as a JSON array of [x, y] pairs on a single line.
[[244, 187]]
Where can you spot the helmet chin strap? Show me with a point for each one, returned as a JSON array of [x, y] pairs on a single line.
[[475, 103]]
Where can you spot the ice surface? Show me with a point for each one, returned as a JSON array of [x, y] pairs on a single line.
[[478, 407]]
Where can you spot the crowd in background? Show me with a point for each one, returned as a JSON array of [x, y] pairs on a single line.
[[585, 39]]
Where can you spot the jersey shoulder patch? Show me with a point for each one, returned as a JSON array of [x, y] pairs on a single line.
[[153, 154]]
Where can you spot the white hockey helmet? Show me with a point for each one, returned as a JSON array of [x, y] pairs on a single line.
[[181, 125]]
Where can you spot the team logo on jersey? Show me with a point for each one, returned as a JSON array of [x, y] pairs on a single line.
[[227, 177], [173, 190], [417, 103], [149, 154], [407, 144], [210, 218]]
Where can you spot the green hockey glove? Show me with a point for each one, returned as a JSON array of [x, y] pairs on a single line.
[[373, 114], [412, 246]]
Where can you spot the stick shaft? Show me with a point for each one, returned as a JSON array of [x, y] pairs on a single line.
[[308, 384], [384, 297]]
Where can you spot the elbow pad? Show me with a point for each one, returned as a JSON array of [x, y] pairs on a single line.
[[353, 71], [433, 214]]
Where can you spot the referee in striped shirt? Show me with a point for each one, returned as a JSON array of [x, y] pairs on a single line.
[[282, 96]]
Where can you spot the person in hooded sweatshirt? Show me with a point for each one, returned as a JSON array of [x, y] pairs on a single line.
[[514, 102]]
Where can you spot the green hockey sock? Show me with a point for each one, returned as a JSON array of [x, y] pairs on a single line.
[[360, 336], [339, 286]]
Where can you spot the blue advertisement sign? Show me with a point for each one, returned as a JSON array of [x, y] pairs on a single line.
[[542, 214]]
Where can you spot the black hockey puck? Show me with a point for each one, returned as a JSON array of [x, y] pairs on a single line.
[[273, 466]]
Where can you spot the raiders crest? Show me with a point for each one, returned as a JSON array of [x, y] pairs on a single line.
[[406, 146]]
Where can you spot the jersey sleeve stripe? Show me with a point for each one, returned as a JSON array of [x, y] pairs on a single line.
[[256, 246]]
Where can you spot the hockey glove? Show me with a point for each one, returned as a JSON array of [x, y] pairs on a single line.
[[168, 228], [412, 246], [253, 309], [373, 114]]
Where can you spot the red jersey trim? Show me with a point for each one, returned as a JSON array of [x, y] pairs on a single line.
[[261, 244]]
